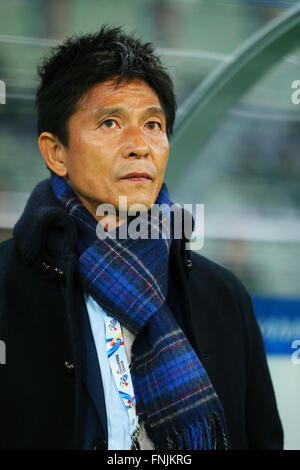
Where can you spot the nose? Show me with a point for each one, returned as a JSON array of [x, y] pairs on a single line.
[[135, 144]]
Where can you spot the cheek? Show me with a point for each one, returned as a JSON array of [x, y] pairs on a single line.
[[162, 152], [89, 155]]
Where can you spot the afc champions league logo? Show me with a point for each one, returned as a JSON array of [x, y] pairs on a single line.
[[114, 344], [123, 381], [112, 325], [130, 400], [116, 341]]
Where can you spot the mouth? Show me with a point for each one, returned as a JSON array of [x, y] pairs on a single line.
[[141, 177]]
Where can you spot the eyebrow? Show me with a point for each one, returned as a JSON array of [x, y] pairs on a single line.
[[117, 110], [155, 110]]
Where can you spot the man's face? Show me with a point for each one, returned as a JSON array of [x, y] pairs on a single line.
[[113, 133]]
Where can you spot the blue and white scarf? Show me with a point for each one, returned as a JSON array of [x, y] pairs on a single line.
[[128, 278]]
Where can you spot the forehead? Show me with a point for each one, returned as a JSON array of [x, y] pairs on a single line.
[[135, 94]]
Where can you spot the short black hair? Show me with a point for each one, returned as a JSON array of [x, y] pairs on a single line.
[[80, 62]]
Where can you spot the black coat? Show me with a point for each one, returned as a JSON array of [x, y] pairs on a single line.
[[51, 393]]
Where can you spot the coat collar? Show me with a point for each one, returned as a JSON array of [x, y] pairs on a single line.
[[44, 225]]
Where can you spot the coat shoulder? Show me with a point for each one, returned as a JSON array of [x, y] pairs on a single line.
[[220, 291], [7, 250], [215, 276], [9, 259]]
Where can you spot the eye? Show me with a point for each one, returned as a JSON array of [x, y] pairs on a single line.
[[109, 123], [153, 125]]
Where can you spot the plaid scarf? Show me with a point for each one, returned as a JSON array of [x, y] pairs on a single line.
[[129, 279]]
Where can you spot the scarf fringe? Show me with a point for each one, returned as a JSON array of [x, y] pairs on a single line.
[[207, 434]]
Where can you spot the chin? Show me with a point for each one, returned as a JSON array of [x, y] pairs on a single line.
[[145, 203], [146, 200]]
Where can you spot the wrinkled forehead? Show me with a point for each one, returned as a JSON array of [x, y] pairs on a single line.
[[133, 95]]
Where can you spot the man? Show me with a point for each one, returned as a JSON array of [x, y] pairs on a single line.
[[120, 342]]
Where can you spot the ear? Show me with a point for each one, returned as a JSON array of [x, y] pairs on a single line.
[[53, 152]]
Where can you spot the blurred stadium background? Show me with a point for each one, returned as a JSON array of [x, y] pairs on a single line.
[[245, 170]]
